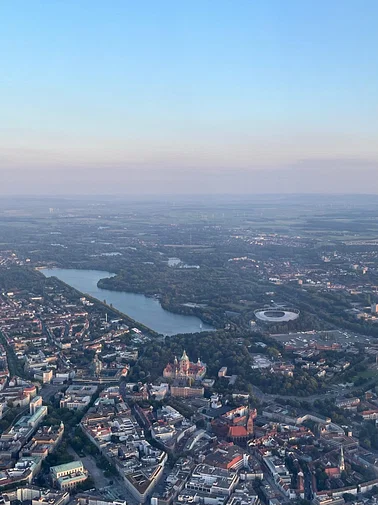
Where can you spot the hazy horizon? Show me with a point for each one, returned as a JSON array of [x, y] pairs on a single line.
[[166, 182], [189, 98]]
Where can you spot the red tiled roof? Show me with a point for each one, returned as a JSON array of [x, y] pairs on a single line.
[[237, 431]]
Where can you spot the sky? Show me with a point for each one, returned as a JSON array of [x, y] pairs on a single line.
[[189, 96]]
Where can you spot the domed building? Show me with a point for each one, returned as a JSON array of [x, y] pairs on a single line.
[[185, 369]]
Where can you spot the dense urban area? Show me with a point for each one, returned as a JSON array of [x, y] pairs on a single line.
[[273, 398]]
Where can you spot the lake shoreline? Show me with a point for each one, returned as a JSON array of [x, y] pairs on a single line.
[[147, 310], [166, 306]]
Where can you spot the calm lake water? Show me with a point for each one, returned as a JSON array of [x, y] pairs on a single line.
[[146, 310]]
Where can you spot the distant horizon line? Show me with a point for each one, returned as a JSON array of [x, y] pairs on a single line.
[[183, 195]]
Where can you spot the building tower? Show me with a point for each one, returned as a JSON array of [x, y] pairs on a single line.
[[97, 366], [251, 417], [342, 460], [176, 366], [184, 364]]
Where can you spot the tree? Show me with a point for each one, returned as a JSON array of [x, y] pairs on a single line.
[[348, 497]]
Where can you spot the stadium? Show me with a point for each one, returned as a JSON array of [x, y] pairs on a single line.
[[276, 314]]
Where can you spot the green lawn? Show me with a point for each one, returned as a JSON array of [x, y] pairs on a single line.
[[366, 374]]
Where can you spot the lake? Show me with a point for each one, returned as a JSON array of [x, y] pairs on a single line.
[[147, 311]]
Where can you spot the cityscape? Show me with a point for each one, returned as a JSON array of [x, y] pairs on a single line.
[[189, 252], [268, 395]]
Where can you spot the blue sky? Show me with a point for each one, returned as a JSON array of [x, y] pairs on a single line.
[[202, 88]]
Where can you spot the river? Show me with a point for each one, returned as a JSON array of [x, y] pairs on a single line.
[[147, 311]]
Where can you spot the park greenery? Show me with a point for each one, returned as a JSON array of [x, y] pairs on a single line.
[[233, 350]]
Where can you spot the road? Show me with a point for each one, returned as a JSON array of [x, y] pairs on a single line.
[[113, 488], [90, 464], [308, 491]]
